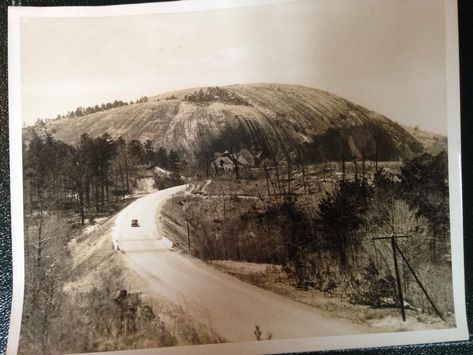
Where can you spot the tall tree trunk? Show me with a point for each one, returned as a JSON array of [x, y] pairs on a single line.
[[267, 179], [303, 172], [356, 169], [289, 174], [376, 155], [325, 169], [278, 181], [96, 186], [106, 184], [87, 191], [234, 159], [81, 203], [102, 193], [121, 179], [126, 172]]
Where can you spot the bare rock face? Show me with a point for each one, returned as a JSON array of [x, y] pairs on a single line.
[[266, 118]]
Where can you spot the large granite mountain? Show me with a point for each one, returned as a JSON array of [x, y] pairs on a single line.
[[264, 117]]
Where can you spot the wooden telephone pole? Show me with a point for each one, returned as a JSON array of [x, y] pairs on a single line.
[[188, 234], [395, 249], [396, 270]]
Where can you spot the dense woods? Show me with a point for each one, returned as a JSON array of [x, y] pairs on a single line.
[[90, 177]]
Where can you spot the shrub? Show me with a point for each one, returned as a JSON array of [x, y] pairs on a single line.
[[374, 288]]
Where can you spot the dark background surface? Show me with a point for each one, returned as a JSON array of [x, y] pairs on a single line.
[[465, 9]]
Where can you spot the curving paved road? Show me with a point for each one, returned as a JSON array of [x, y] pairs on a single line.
[[231, 307]]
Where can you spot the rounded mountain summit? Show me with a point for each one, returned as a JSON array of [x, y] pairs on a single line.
[[262, 119]]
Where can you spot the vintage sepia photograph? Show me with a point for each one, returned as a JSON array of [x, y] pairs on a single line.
[[264, 176]]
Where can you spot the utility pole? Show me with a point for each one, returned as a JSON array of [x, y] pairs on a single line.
[[395, 249], [396, 270], [188, 234], [398, 279], [420, 284], [188, 237]]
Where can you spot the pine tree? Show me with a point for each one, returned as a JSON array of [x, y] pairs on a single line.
[[149, 152], [341, 214]]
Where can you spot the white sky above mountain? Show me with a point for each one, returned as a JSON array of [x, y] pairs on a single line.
[[388, 56]]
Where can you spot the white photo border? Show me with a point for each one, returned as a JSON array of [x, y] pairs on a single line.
[[460, 332]]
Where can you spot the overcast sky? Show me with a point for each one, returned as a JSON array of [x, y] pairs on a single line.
[[386, 55]]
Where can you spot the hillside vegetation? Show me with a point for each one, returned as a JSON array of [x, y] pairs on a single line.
[[432, 143]]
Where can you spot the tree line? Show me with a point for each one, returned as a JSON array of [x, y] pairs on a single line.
[[90, 176], [215, 94], [82, 111]]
